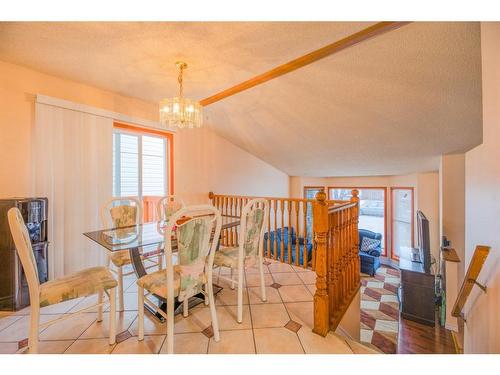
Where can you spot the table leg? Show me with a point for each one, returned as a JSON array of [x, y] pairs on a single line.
[[140, 271]]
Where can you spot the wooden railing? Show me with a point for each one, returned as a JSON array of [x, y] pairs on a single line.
[[337, 260], [287, 219], [149, 207], [470, 279]]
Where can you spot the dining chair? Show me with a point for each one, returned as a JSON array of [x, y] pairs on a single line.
[[90, 281], [167, 206], [194, 268], [249, 250], [117, 213]]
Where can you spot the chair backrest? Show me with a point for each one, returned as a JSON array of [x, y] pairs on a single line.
[[121, 212], [195, 252], [24, 250], [167, 206], [251, 236]]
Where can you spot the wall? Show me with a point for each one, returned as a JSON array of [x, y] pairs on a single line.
[[426, 195], [452, 214], [203, 160], [482, 207], [214, 164]]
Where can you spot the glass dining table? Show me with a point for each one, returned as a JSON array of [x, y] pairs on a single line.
[[143, 240]]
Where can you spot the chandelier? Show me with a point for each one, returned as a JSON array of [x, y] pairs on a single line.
[[180, 111]]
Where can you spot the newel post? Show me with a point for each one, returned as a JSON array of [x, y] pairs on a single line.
[[355, 234], [211, 196], [320, 224]]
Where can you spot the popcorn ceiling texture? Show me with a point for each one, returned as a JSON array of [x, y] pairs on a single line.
[[390, 105]]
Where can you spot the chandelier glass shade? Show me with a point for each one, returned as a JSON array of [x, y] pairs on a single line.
[[179, 111]]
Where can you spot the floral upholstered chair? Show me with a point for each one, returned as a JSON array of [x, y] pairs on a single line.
[[167, 206], [249, 250], [96, 280], [195, 254], [117, 213]]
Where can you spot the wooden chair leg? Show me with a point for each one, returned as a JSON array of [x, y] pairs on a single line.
[[121, 306], [185, 307], [112, 316], [34, 329], [206, 295], [262, 280], [232, 279], [100, 296], [170, 325], [140, 309], [240, 294], [213, 312]]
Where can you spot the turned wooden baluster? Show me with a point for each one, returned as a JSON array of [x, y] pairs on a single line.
[[282, 230], [290, 228], [355, 198], [275, 247], [304, 229], [321, 303], [269, 230], [297, 243]]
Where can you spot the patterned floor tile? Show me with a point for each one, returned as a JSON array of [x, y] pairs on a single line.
[[380, 310]]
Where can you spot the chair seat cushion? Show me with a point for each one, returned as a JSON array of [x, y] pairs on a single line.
[[156, 282], [227, 257], [80, 284], [120, 258], [366, 258]]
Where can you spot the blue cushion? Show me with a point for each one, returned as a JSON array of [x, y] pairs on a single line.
[[367, 258]]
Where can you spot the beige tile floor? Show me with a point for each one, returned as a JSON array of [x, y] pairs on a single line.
[[266, 326]]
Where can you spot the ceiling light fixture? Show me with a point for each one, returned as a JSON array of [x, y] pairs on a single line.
[[179, 111]]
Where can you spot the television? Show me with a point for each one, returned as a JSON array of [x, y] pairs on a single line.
[[424, 245]]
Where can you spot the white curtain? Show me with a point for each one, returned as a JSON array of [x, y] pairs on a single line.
[[72, 159]]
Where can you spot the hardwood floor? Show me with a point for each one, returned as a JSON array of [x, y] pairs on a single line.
[[416, 338]]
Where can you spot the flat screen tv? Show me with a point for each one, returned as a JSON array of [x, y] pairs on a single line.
[[424, 240]]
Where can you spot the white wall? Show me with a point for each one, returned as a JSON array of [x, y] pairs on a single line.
[[482, 331], [206, 162]]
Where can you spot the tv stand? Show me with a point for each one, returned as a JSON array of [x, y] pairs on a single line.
[[417, 290]]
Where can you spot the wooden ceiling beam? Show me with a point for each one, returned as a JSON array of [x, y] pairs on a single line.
[[365, 34]]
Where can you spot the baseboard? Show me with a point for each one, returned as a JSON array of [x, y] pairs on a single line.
[[451, 327], [344, 333], [456, 343]]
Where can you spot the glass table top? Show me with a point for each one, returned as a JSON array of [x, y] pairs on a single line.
[[141, 235]]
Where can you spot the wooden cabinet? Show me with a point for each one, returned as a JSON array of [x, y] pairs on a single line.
[[417, 292]]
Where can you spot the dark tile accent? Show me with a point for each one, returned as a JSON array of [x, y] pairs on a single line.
[[391, 287], [370, 292], [293, 326], [209, 331], [275, 285], [367, 320], [389, 310], [122, 336], [392, 272], [384, 343], [22, 344]]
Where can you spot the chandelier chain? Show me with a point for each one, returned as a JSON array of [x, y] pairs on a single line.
[[179, 79]]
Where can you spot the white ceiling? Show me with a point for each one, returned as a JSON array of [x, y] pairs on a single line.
[[390, 105]]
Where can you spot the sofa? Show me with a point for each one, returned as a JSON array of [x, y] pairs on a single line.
[[370, 261], [286, 235]]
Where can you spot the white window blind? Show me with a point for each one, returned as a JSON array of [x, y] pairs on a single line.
[[139, 164]]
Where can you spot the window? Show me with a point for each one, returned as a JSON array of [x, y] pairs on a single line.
[[372, 203], [310, 193], [402, 220], [140, 162]]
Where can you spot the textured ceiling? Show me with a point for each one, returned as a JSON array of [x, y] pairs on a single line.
[[389, 105]]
